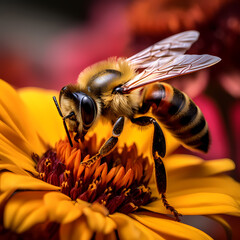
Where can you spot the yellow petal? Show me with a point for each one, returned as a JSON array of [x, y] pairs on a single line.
[[12, 168], [68, 211], [11, 181], [75, 230], [98, 222], [103, 130], [184, 166], [21, 211], [218, 184], [4, 196], [177, 161], [130, 229], [97, 207], [110, 236], [170, 229], [171, 142], [17, 159], [198, 204], [61, 208], [14, 114], [38, 215], [46, 118], [110, 225], [13, 139], [143, 137]]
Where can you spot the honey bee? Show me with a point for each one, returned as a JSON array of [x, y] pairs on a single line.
[[120, 88]]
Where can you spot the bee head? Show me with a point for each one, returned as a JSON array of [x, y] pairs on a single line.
[[81, 108]]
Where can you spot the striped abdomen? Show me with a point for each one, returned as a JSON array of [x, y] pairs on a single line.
[[178, 113]]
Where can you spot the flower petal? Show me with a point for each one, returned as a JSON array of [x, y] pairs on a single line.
[[197, 175], [110, 236], [24, 210], [110, 225], [4, 196], [205, 191], [13, 145], [14, 158], [143, 138], [75, 230], [13, 139], [42, 108], [168, 228], [14, 114], [130, 229], [218, 184], [192, 165], [40, 213], [11, 181], [177, 161], [13, 168], [61, 208], [98, 222], [198, 204]]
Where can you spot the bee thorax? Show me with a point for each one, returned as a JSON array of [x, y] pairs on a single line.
[[119, 105]]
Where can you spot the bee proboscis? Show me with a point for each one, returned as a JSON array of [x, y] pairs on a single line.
[[121, 88]]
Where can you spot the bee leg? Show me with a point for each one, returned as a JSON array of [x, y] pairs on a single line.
[[110, 144], [158, 151], [76, 137]]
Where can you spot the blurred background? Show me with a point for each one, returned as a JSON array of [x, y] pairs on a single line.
[[48, 43]]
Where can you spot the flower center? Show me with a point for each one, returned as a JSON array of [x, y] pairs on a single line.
[[118, 181]]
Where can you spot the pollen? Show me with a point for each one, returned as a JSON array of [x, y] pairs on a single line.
[[118, 181]]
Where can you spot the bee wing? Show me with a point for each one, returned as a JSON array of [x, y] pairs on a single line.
[[177, 44], [169, 67]]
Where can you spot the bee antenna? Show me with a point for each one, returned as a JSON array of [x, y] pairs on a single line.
[[64, 118]]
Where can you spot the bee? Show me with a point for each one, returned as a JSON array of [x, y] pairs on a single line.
[[120, 88]]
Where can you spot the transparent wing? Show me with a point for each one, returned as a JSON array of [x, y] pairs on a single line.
[[169, 67], [177, 44]]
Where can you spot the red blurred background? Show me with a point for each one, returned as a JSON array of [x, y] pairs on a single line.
[[48, 43]]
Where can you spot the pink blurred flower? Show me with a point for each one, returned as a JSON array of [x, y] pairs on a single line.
[[235, 125], [16, 68], [231, 83], [219, 141]]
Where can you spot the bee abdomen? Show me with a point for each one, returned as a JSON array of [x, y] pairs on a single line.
[[179, 114]]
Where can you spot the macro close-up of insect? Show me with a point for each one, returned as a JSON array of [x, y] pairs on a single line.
[[122, 88]]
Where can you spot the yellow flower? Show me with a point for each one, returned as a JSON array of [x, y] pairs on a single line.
[[46, 194]]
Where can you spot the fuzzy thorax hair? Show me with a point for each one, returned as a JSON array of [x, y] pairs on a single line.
[[112, 105]]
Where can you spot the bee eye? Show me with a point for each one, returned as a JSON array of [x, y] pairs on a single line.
[[88, 110]]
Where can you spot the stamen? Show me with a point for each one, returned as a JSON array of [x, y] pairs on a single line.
[[118, 181]]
